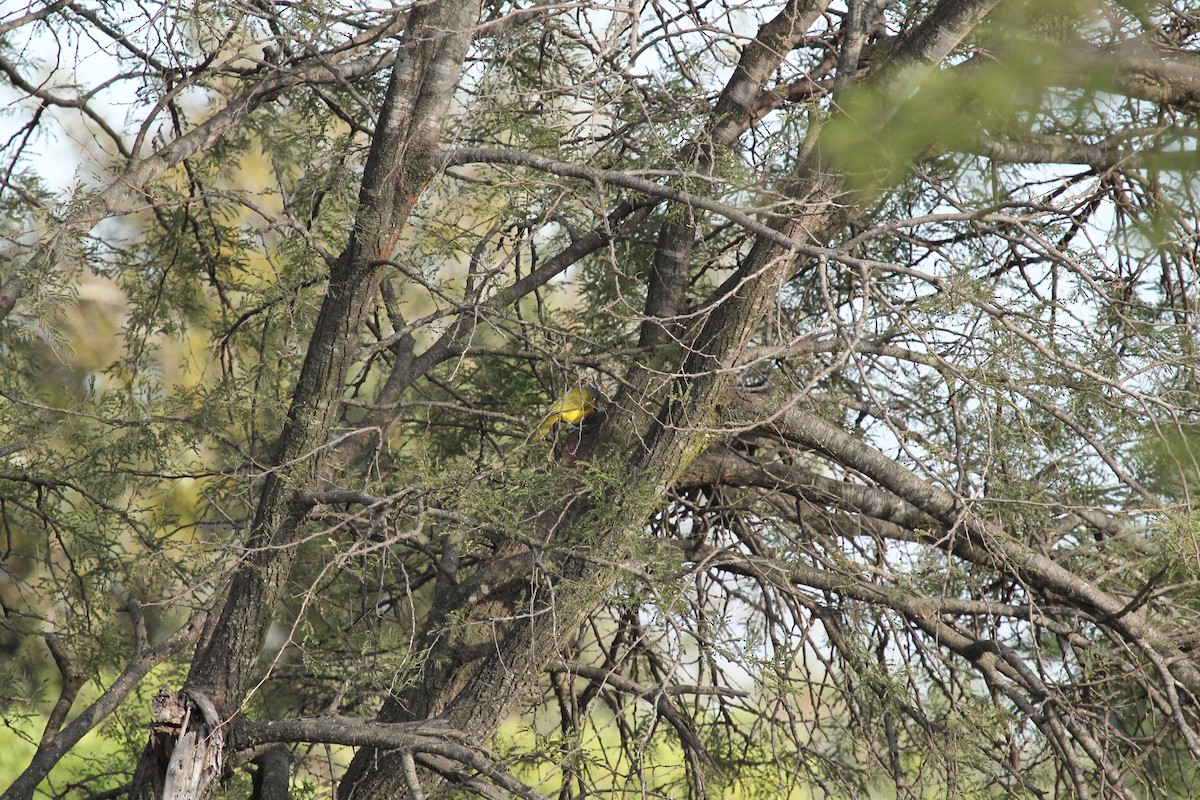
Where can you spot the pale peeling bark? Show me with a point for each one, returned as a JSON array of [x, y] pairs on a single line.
[[141, 664]]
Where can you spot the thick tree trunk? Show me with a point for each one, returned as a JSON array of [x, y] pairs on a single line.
[[403, 157], [477, 693]]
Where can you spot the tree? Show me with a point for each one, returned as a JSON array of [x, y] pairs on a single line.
[[892, 307]]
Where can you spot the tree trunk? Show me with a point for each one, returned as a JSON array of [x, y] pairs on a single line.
[[477, 694], [402, 159]]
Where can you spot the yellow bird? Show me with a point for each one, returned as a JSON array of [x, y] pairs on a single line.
[[571, 407]]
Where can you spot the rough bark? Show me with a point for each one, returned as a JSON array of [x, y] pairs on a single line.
[[732, 114], [476, 693], [994, 540], [403, 157]]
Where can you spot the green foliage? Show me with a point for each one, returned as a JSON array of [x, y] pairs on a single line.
[[1013, 334], [1170, 464]]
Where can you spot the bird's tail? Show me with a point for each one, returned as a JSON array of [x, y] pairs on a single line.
[[544, 427]]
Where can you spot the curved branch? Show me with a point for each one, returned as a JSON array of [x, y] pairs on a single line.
[[1001, 549], [1099, 155], [433, 737], [566, 169]]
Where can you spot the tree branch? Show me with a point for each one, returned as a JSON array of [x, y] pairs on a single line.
[[1000, 549]]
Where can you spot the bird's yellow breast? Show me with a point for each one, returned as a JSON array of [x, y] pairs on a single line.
[[574, 414], [570, 408]]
